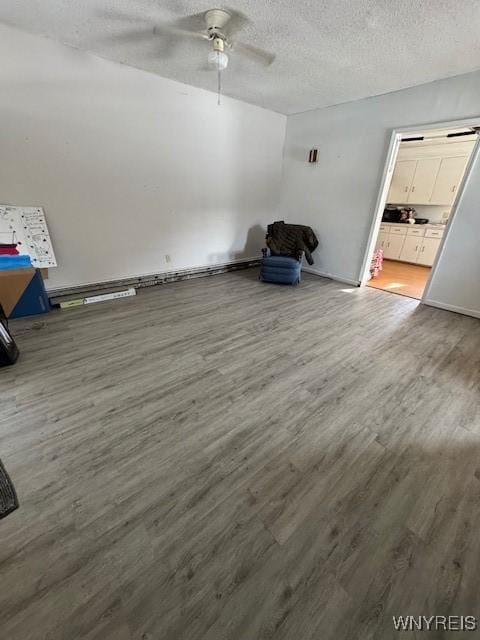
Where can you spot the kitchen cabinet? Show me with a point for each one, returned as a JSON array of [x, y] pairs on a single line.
[[381, 240], [419, 231], [433, 233], [424, 180], [430, 174], [449, 176], [410, 249], [417, 244], [401, 181], [413, 181], [428, 251], [393, 246]]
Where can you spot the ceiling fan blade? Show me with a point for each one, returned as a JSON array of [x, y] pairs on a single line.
[[131, 35], [258, 55], [195, 22], [169, 30]]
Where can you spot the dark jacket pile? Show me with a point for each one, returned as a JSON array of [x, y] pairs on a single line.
[[291, 240]]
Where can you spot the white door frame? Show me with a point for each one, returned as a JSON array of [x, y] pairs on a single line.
[[395, 139], [392, 154]]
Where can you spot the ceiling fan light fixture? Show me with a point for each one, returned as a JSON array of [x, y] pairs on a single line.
[[218, 60]]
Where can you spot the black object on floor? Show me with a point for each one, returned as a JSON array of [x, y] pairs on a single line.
[[8, 348], [8, 497], [291, 240]]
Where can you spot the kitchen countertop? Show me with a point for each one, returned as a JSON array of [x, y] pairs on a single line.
[[429, 225]]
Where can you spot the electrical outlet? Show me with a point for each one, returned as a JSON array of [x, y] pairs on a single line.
[[168, 258]]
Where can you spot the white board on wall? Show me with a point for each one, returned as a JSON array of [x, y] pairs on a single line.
[[28, 228]]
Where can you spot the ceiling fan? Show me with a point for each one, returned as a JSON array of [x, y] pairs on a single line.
[[219, 27], [216, 27], [220, 24]]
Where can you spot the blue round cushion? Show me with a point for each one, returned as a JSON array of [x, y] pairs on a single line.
[[280, 269]]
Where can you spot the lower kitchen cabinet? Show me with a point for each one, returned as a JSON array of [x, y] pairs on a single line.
[[415, 244], [381, 240], [428, 251], [410, 249], [393, 246]]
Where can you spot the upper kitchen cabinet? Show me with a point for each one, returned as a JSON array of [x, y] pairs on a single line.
[[401, 181], [424, 180], [429, 174], [449, 177], [413, 181]]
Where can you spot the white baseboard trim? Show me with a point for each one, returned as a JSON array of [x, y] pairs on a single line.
[[331, 276], [474, 313]]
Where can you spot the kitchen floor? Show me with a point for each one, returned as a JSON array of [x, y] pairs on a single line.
[[402, 278]]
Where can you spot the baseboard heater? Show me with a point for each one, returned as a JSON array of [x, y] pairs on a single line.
[[151, 280]]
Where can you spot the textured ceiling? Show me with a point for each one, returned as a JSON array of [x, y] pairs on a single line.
[[327, 51]]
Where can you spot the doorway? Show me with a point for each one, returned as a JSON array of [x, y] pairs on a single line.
[[423, 178]]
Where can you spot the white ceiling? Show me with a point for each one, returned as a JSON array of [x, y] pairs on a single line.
[[328, 51]]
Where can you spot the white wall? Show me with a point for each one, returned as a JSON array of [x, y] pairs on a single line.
[[456, 283], [130, 166], [434, 213], [337, 196]]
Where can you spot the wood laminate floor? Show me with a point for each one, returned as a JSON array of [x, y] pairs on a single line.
[[227, 459], [403, 278]]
